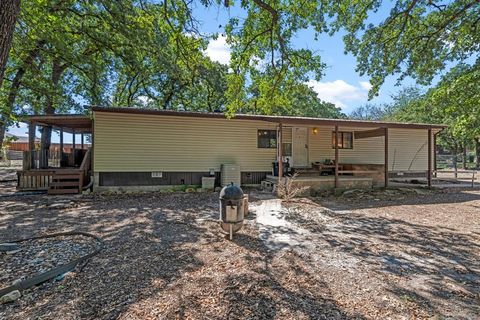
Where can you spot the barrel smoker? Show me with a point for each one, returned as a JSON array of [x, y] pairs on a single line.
[[233, 208]]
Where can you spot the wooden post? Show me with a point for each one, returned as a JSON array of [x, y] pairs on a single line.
[[32, 128], [435, 153], [386, 158], [73, 146], [82, 139], [61, 141], [336, 156], [429, 173], [280, 151]]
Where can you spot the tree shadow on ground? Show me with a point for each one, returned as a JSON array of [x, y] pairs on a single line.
[[387, 198], [434, 267], [163, 257], [281, 281]]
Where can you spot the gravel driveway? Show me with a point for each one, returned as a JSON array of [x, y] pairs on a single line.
[[386, 255]]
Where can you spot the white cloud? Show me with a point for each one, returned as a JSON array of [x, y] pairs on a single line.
[[218, 50], [144, 100], [338, 92], [20, 130], [365, 85]]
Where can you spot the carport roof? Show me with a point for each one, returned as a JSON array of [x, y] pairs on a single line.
[[69, 122]]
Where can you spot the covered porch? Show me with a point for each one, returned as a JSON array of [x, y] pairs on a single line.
[[340, 154], [59, 168]]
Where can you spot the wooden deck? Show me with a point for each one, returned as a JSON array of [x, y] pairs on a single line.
[[67, 180]]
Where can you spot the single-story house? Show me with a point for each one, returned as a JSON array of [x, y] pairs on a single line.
[[143, 149]]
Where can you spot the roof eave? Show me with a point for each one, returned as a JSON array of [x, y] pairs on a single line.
[[274, 119]]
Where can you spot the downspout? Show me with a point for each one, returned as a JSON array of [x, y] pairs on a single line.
[[90, 184]]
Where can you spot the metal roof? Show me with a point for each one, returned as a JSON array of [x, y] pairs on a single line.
[[277, 119], [80, 123]]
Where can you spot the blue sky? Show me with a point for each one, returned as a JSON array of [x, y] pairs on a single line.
[[340, 85]]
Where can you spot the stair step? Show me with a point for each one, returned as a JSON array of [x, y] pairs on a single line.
[[63, 191], [64, 184], [68, 171], [65, 176]]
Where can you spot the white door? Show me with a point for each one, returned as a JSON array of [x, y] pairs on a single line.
[[300, 147]]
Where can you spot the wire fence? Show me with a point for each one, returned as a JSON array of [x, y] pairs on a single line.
[[447, 161]]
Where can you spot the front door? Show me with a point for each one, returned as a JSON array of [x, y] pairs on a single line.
[[300, 147]]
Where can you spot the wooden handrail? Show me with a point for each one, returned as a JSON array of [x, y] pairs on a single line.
[[86, 161], [85, 167]]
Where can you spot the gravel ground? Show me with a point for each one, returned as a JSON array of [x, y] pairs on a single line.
[[397, 255]]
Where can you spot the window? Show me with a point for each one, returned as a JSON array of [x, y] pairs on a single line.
[[267, 138], [345, 140], [287, 149]]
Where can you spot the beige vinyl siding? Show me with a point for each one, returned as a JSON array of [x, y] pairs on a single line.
[[365, 151], [126, 142], [136, 143], [407, 148], [287, 135]]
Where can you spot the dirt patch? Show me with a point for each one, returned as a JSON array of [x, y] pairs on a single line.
[[165, 257]]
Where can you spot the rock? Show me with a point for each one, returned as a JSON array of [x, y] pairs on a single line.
[[10, 297], [350, 192], [14, 251], [190, 190], [15, 282], [60, 205], [391, 191], [8, 247], [420, 191]]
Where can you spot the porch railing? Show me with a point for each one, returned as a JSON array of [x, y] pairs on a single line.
[[34, 180], [41, 159]]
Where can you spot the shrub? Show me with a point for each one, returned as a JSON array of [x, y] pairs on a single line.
[[287, 189]]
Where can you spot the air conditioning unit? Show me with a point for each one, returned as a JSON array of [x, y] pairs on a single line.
[[230, 173]]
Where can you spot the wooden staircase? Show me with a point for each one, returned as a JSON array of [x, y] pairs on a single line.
[[66, 181], [70, 181]]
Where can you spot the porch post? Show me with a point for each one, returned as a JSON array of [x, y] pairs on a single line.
[[280, 152], [386, 158], [429, 173], [61, 141], [82, 139], [435, 153], [32, 128], [336, 156], [73, 146]]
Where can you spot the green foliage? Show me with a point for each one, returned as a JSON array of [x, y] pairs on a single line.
[[151, 54], [417, 39], [368, 112], [123, 53], [265, 64]]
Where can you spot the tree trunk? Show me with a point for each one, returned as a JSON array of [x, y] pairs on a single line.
[[464, 156], [2, 135], [15, 86], [9, 10], [46, 138], [455, 159], [477, 152]]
